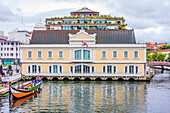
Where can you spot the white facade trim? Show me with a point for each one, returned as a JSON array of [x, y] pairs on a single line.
[[94, 55], [40, 46], [120, 62], [145, 54]]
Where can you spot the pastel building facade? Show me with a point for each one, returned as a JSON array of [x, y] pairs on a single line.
[[10, 52], [90, 53]]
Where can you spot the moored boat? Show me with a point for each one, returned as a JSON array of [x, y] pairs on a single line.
[[27, 88]]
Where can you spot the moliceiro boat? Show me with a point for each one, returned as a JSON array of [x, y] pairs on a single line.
[[26, 88]]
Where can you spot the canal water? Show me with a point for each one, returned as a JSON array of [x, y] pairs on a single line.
[[97, 96]]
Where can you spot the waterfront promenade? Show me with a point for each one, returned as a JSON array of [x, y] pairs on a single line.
[[4, 89]]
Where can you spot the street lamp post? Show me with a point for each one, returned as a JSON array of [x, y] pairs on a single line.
[[16, 57]]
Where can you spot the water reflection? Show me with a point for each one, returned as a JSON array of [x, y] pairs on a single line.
[[91, 96], [97, 96]]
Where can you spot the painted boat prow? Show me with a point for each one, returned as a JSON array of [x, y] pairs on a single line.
[[19, 93]]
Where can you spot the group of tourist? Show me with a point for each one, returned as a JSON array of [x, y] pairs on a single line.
[[4, 77], [3, 83]]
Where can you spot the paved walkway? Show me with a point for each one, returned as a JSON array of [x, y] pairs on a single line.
[[13, 79]]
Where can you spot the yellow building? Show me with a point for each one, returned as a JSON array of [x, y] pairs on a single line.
[[90, 53]]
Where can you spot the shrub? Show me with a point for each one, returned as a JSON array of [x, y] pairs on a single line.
[[85, 28], [118, 22], [123, 28], [10, 67]]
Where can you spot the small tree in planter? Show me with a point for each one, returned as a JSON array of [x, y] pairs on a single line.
[[120, 27], [123, 28], [85, 28], [10, 67]]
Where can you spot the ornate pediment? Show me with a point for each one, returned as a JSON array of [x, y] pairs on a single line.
[[82, 36]]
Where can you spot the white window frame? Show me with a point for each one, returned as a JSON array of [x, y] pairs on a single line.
[[51, 54], [112, 69], [124, 54], [134, 68], [91, 69], [105, 54], [116, 54], [28, 54], [137, 54], [82, 53], [74, 54], [70, 69], [37, 54], [82, 68], [59, 54], [58, 70], [36, 68]]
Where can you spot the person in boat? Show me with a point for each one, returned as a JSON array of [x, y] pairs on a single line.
[[38, 79], [0, 78]]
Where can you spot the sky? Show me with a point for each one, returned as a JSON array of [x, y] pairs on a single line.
[[150, 19]]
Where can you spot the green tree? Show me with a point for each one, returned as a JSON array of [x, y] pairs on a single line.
[[161, 57], [149, 58], [155, 56], [168, 58]]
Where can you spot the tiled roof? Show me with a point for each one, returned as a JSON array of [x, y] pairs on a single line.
[[84, 9], [102, 36], [159, 50]]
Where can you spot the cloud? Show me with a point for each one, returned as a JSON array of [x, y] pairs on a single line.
[[6, 13], [159, 34], [150, 19]]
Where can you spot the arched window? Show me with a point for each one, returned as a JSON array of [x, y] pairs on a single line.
[[82, 68], [78, 69], [131, 69]]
